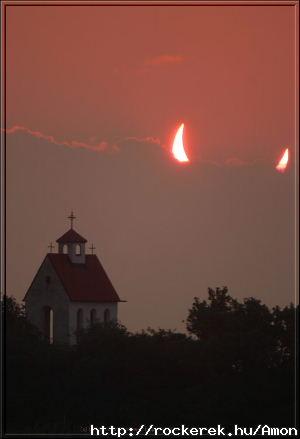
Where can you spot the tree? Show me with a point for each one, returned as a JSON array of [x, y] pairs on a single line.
[[212, 319], [18, 330], [246, 334], [235, 366], [285, 321]]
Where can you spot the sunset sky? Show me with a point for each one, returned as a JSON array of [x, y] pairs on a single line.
[[94, 96]]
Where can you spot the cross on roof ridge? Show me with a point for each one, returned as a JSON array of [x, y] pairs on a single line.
[[51, 247], [72, 217], [92, 248]]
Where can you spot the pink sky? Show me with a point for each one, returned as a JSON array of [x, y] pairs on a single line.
[[121, 79]]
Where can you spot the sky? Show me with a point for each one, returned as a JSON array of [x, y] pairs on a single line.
[[94, 95]]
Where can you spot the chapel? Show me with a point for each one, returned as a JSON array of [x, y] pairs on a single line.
[[70, 291]]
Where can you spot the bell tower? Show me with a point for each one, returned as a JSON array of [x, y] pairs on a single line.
[[72, 244]]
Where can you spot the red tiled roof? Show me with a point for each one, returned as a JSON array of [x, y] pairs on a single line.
[[84, 282], [70, 236]]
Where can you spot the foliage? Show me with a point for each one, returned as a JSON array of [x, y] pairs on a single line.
[[18, 329], [235, 366], [248, 334]]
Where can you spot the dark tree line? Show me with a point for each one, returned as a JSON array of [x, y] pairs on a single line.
[[236, 365]]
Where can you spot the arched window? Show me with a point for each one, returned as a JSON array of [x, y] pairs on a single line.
[[106, 315], [79, 323], [78, 249], [65, 249], [48, 324], [93, 316]]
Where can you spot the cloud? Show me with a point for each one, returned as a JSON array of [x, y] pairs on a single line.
[[105, 146], [235, 161], [152, 140], [163, 59], [231, 162], [102, 146]]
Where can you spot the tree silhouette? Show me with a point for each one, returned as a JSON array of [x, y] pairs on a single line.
[[236, 365], [247, 334]]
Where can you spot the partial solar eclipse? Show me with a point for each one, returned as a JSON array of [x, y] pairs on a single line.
[[178, 150], [283, 162]]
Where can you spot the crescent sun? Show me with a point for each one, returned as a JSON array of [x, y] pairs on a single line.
[[178, 150]]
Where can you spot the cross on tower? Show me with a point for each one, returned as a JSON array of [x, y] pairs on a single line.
[[92, 248], [51, 247], [71, 218]]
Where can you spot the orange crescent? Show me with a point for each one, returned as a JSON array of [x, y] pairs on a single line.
[[178, 150]]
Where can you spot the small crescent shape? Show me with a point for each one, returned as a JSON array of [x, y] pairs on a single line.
[[178, 150]]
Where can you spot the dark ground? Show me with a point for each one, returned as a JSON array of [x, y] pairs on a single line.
[[236, 366]]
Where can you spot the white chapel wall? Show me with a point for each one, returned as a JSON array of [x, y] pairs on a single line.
[[47, 290], [87, 307]]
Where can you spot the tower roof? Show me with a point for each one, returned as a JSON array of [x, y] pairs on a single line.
[[86, 283], [70, 236], [83, 282]]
